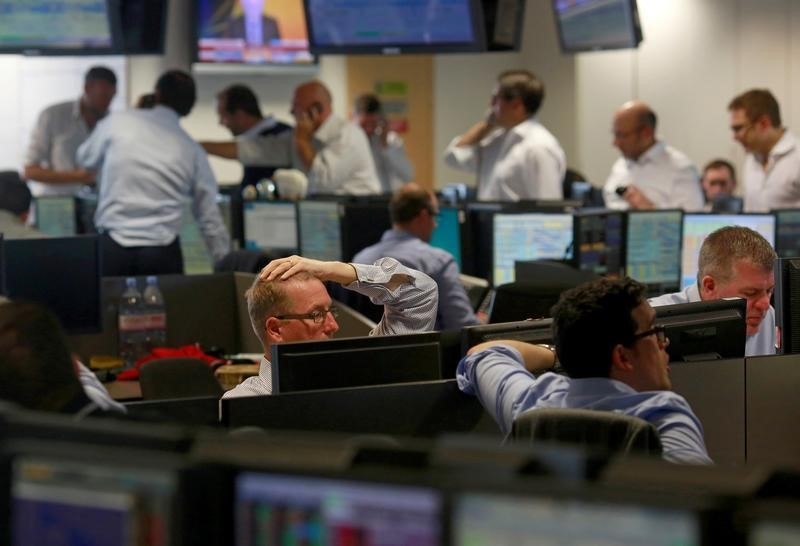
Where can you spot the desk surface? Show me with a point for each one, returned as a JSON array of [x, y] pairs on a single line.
[[124, 390]]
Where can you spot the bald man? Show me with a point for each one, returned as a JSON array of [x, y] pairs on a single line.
[[650, 174]]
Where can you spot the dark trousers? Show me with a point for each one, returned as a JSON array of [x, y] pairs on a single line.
[[131, 261]]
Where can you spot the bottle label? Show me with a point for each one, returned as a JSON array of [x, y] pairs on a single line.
[[156, 321], [132, 323]]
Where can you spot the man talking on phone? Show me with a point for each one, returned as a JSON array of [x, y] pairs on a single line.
[[650, 174]]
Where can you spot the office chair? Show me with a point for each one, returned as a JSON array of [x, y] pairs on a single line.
[[167, 378], [600, 431], [247, 261]]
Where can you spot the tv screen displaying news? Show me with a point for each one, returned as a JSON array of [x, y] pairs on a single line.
[[257, 32]]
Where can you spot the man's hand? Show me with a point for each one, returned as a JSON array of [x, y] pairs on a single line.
[[285, 268], [305, 125], [637, 200]]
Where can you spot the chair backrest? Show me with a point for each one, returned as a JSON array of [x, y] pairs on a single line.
[[168, 378], [604, 431]]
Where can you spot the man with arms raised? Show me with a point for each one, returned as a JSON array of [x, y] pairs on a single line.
[[607, 341], [288, 302], [736, 261]]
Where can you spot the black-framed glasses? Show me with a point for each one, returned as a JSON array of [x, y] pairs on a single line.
[[317, 316], [659, 330]]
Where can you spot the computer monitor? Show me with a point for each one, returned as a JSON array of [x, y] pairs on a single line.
[[493, 518], [787, 298], [705, 330], [447, 234], [363, 225], [56, 215], [530, 331], [528, 236], [270, 225], [598, 244], [143, 24], [196, 259], [653, 249], [320, 229], [60, 273], [292, 509], [696, 227], [591, 25], [773, 523], [787, 233], [355, 362]]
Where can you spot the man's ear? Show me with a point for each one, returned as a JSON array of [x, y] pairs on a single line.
[[621, 359], [272, 330], [708, 287]]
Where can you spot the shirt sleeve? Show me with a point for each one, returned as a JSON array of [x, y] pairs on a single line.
[[617, 178], [686, 191], [266, 150], [41, 142], [90, 154], [206, 211], [455, 308], [461, 157], [680, 431], [409, 307]]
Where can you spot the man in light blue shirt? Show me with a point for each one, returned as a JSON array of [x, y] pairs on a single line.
[[736, 261], [607, 341], [149, 168], [413, 211]]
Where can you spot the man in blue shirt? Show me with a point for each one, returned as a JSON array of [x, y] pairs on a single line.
[[736, 261], [607, 341], [413, 211]]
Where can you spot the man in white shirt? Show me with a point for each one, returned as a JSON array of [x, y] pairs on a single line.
[[388, 151], [771, 172], [514, 156], [650, 174], [50, 166], [736, 261], [288, 302], [149, 169]]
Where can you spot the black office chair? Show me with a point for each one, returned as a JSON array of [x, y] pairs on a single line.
[[600, 431], [247, 261], [167, 378]]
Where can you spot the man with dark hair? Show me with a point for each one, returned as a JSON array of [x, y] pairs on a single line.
[[239, 112], [771, 172], [607, 341], [388, 152], [150, 169], [736, 261], [50, 166], [718, 181], [514, 155], [650, 174], [15, 203], [413, 211]]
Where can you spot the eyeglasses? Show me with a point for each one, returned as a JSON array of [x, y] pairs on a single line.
[[317, 316], [741, 128], [659, 330]]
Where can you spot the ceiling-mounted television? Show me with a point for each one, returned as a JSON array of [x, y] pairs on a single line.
[[252, 32], [395, 26], [143, 24], [59, 27], [591, 25]]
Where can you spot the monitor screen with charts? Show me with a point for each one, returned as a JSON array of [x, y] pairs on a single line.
[[55, 216], [787, 235], [653, 249], [286, 509], [270, 225], [320, 229], [528, 236], [696, 227], [598, 243], [447, 234]]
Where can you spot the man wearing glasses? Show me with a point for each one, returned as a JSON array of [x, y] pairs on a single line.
[[289, 302], [736, 261], [413, 211], [607, 341], [771, 171]]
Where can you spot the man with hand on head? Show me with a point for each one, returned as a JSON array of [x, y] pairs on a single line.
[[736, 261], [608, 342], [288, 302], [650, 174]]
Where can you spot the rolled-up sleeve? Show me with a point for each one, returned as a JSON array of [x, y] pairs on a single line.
[[460, 157]]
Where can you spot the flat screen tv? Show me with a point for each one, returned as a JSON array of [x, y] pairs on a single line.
[[251, 32], [59, 27], [590, 25], [395, 26], [143, 24]]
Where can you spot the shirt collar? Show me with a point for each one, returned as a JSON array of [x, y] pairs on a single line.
[[167, 113], [785, 145], [395, 234], [522, 129], [649, 155]]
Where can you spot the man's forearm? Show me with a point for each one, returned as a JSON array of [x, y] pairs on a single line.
[[537, 358], [475, 134], [52, 176], [228, 150], [305, 151]]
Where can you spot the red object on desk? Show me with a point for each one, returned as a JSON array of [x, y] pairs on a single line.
[[186, 351]]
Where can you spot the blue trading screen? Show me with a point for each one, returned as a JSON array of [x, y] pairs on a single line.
[[529, 236], [653, 252], [55, 24], [482, 519], [447, 234], [320, 230], [270, 226], [55, 216], [696, 227], [598, 246], [273, 509]]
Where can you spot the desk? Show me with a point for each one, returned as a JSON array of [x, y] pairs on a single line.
[[124, 390]]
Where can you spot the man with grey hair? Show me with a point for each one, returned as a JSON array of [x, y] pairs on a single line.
[[736, 261], [288, 302]]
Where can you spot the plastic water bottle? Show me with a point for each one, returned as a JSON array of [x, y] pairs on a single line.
[[156, 312], [131, 323]]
